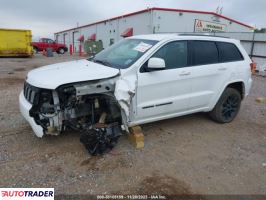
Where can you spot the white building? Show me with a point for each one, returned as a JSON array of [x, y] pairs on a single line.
[[148, 21]]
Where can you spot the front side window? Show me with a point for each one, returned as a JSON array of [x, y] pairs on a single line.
[[43, 40], [123, 54], [204, 53], [175, 54], [50, 41]]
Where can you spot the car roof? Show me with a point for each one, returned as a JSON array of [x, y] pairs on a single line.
[[157, 37], [162, 37]]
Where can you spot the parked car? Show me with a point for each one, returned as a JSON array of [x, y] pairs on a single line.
[[45, 43], [139, 80]]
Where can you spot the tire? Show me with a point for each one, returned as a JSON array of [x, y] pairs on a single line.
[[35, 50], [61, 51], [227, 107]]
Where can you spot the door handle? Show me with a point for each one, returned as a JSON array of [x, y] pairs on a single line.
[[184, 73], [222, 68]]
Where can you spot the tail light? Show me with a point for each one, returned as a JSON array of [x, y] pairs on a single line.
[[253, 67]]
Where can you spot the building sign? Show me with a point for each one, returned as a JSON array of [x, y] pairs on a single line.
[[205, 26]]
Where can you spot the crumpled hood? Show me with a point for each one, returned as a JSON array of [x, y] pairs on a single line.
[[52, 76]]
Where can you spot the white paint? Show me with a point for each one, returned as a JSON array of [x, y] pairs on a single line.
[[52, 76], [125, 89], [156, 63]]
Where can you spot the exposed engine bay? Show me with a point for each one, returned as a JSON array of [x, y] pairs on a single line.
[[88, 107]]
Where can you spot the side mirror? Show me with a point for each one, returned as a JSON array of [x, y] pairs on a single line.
[[156, 63]]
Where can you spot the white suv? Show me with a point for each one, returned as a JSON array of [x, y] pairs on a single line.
[[138, 80]]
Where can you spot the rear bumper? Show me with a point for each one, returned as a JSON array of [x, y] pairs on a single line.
[[25, 107]]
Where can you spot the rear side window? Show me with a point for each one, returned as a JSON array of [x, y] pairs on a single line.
[[205, 52], [228, 52]]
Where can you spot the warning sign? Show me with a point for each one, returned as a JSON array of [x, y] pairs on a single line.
[[205, 26]]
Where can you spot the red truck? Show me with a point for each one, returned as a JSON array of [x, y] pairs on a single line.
[[45, 43]]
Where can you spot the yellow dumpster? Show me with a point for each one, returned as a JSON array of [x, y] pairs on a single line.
[[14, 42]]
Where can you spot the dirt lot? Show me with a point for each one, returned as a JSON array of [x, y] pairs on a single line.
[[185, 155]]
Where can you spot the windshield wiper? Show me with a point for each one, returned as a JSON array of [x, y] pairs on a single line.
[[103, 62]]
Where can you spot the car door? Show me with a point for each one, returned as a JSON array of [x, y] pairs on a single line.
[[162, 93], [208, 75], [51, 44], [41, 44], [45, 44]]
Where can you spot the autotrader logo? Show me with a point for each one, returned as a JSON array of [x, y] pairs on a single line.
[[27, 193]]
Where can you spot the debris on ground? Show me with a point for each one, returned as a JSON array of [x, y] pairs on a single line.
[[260, 99], [136, 137], [101, 138]]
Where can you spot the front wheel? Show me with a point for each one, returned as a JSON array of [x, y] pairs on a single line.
[[227, 107], [35, 50]]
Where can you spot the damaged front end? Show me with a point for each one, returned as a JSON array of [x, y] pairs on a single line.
[[88, 107]]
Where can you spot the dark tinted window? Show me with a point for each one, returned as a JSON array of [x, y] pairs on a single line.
[[228, 52], [174, 54], [205, 52]]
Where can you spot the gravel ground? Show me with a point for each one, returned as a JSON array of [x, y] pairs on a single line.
[[185, 155]]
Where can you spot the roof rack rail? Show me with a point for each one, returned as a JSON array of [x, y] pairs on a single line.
[[190, 34]]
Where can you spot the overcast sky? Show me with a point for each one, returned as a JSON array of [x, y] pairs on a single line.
[[44, 17]]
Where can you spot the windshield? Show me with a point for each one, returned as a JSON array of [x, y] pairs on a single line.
[[124, 53]]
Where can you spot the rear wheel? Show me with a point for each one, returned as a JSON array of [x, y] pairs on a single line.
[[61, 51], [227, 107]]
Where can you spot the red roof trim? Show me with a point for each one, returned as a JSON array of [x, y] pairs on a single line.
[[114, 18], [232, 20], [160, 9], [202, 12]]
